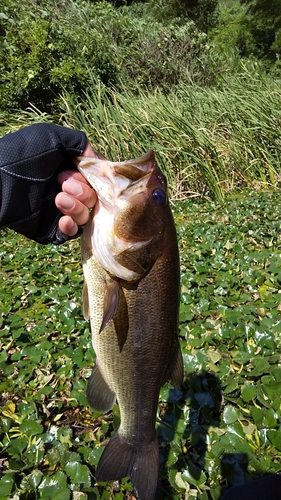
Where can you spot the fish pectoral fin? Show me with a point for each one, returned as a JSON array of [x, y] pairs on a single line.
[[85, 302], [141, 464], [121, 321], [99, 395], [111, 301]]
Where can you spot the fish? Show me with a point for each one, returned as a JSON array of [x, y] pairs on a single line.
[[131, 289]]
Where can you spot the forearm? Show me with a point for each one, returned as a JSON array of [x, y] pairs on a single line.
[[30, 160]]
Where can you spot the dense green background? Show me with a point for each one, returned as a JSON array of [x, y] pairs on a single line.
[[221, 429], [48, 47], [198, 81]]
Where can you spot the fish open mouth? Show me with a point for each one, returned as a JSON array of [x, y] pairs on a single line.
[[111, 179], [133, 169], [127, 219]]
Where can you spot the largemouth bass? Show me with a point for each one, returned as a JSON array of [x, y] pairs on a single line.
[[131, 295]]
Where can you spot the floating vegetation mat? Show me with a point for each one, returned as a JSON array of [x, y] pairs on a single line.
[[221, 429]]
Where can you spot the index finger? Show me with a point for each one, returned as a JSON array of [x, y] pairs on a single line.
[[71, 174]]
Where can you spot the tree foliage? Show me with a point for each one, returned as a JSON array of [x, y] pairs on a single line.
[[253, 27], [204, 13], [264, 24], [51, 48], [45, 50]]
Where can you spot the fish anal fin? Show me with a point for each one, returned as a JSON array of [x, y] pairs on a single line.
[[122, 459], [85, 302], [111, 301], [99, 394], [175, 374]]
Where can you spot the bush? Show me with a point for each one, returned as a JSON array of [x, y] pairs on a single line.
[[164, 56], [47, 51], [203, 12], [152, 54], [53, 48]]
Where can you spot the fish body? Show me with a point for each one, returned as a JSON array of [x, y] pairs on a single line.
[[131, 295]]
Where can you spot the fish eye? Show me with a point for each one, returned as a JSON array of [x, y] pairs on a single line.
[[159, 196]]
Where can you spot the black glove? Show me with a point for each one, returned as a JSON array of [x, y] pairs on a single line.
[[30, 160]]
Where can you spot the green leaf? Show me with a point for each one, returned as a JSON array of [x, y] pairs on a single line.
[[270, 418], [7, 483], [180, 483], [248, 392], [272, 389], [3, 356], [230, 414], [65, 435], [35, 479], [257, 414], [5, 424], [78, 473], [17, 445], [30, 427], [275, 438], [54, 487], [194, 475]]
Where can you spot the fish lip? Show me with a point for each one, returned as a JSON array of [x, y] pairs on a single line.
[[145, 162], [132, 170]]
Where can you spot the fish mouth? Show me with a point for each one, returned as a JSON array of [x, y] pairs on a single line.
[[137, 168], [111, 179], [121, 240], [132, 169]]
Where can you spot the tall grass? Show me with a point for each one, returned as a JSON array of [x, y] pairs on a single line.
[[207, 140]]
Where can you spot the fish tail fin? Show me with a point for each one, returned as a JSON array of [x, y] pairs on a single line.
[[121, 459]]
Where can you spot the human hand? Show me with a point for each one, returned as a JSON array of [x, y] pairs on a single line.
[[75, 199]]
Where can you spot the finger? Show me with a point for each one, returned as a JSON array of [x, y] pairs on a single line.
[[71, 174], [68, 205], [80, 191], [68, 226]]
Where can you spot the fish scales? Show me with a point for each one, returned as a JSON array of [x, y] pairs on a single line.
[[137, 348]]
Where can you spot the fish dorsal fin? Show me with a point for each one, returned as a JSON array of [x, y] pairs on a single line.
[[85, 302], [111, 301]]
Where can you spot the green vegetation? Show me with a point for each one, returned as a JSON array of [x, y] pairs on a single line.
[[221, 429], [45, 51], [199, 82], [208, 141], [133, 83], [253, 28], [50, 47]]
